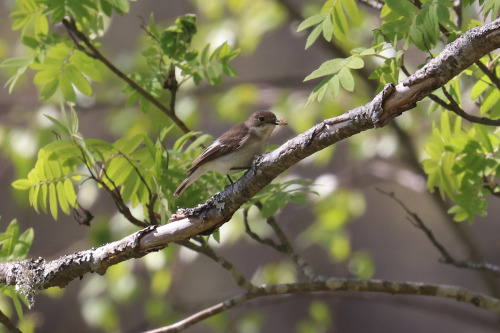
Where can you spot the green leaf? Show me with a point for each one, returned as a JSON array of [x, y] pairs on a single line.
[[128, 145], [480, 86], [204, 54], [77, 78], [49, 90], [313, 36], [159, 161], [92, 68], [229, 71], [352, 10], [445, 127], [310, 21], [9, 291], [46, 76], [42, 197], [130, 186], [23, 245], [443, 14], [16, 62], [60, 127], [119, 169], [355, 63], [121, 6], [53, 200], [492, 6], [402, 7], [318, 91], [201, 140], [216, 236], [33, 196], [346, 79], [340, 25], [67, 88], [183, 139], [328, 28], [21, 184], [327, 68], [61, 198], [13, 234], [491, 99], [69, 192], [333, 86]]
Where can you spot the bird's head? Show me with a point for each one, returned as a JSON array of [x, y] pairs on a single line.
[[262, 119]]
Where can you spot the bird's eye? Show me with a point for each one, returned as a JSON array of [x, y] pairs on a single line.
[[261, 118]]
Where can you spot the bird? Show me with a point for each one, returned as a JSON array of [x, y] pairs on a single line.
[[234, 150]]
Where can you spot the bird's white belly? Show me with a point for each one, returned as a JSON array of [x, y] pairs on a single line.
[[235, 162]]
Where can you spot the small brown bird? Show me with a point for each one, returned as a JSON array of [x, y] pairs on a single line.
[[234, 150]]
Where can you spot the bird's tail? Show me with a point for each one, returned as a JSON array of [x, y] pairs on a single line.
[[187, 182], [182, 187]]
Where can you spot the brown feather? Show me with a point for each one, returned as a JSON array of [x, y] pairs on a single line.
[[220, 147]]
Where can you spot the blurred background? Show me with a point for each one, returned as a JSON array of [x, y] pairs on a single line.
[[347, 229]]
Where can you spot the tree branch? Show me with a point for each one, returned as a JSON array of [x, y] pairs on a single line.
[[33, 275], [491, 74], [443, 207], [287, 248], [241, 280], [454, 107], [335, 284], [93, 52], [417, 222], [267, 241]]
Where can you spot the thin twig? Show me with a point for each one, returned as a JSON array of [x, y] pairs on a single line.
[[228, 266], [491, 74], [284, 247], [257, 238], [8, 323], [152, 196], [93, 52], [119, 203], [454, 107], [417, 222], [491, 186]]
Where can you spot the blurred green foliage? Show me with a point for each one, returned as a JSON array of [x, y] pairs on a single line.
[[149, 154], [320, 319]]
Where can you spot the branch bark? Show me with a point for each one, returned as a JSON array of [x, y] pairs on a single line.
[[33, 275], [334, 284]]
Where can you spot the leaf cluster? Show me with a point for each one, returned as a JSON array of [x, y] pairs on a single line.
[[66, 66], [416, 25], [173, 47], [34, 17], [332, 21], [276, 196], [15, 246], [463, 164]]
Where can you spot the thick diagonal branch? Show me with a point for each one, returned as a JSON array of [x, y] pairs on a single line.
[[34, 275]]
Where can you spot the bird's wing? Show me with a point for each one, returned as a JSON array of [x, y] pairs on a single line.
[[225, 143]]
